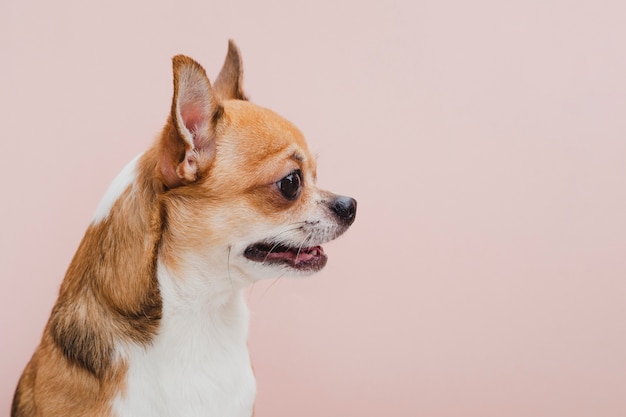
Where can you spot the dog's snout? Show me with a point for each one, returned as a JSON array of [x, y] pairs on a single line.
[[345, 209]]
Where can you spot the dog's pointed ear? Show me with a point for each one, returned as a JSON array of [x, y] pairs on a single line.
[[189, 146], [229, 82]]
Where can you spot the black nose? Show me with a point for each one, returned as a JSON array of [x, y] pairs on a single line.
[[345, 208]]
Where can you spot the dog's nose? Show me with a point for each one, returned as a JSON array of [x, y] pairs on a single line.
[[345, 208]]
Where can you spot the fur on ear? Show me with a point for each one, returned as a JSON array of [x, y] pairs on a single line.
[[228, 84], [188, 140]]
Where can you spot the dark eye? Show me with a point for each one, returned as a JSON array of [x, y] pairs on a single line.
[[291, 185]]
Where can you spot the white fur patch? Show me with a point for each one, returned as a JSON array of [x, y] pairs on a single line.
[[198, 364], [123, 180]]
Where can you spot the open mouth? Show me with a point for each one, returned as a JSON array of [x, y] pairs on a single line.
[[300, 258]]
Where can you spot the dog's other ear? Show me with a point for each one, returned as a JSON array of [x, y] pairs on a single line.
[[188, 145], [228, 84]]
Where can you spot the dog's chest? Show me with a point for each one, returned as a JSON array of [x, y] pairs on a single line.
[[198, 365]]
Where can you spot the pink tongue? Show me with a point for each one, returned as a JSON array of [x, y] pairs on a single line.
[[305, 254]]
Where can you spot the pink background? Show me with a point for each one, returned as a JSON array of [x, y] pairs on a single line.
[[485, 142]]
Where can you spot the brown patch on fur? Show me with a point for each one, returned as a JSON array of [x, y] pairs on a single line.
[[52, 387], [110, 295]]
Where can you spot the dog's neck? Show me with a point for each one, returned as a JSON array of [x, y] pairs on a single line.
[[200, 351], [196, 290], [203, 299]]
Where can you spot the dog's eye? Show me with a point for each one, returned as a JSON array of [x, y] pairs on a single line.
[[291, 185]]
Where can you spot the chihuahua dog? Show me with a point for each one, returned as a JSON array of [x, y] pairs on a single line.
[[150, 319]]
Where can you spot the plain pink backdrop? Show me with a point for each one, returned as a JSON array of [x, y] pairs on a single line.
[[485, 142]]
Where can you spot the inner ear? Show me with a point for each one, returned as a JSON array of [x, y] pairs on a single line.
[[194, 102], [195, 125], [189, 149]]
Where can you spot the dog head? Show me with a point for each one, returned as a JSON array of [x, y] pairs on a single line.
[[241, 194]]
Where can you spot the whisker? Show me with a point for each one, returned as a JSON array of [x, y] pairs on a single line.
[[251, 290], [272, 284], [278, 243], [306, 240], [228, 266], [270, 251]]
